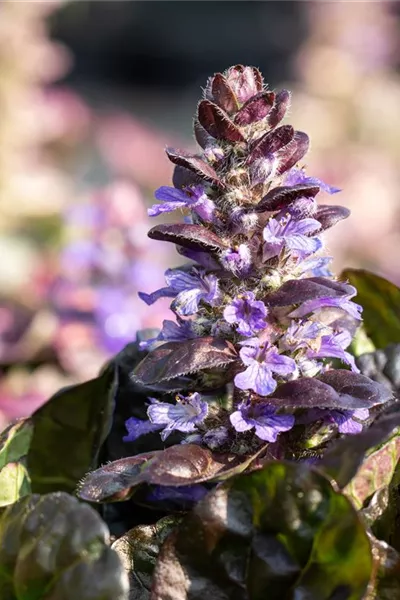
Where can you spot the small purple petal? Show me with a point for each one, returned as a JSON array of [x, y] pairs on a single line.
[[287, 231], [181, 281], [261, 362], [138, 427], [256, 377], [182, 416], [159, 209], [150, 299], [296, 176], [239, 422], [187, 303], [315, 267], [342, 302], [237, 261], [166, 193], [248, 313], [332, 346], [343, 419], [263, 418]]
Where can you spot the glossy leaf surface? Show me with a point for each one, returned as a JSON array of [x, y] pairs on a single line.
[[53, 547], [138, 550], [380, 300], [14, 446], [179, 465], [68, 433]]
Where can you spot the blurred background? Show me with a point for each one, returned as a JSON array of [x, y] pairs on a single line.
[[92, 92]]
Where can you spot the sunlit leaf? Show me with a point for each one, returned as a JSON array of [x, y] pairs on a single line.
[[380, 300], [279, 532], [138, 550], [179, 465], [345, 457]]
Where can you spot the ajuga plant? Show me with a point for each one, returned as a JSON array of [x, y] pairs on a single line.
[[259, 316], [238, 453]]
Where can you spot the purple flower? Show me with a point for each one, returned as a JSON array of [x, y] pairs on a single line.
[[296, 176], [116, 315], [333, 346], [138, 427], [343, 419], [188, 288], [192, 197], [171, 332], [182, 416], [268, 425], [248, 313], [316, 266], [288, 233], [238, 261], [299, 335], [80, 255], [342, 302], [262, 361]]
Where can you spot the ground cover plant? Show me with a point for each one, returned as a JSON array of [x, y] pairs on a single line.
[[247, 449]]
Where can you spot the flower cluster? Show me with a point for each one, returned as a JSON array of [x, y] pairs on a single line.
[[259, 284]]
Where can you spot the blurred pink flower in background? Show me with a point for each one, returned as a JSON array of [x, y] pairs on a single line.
[[74, 267], [107, 259], [347, 99], [134, 149]]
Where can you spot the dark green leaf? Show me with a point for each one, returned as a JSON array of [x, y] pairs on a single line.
[[138, 550], [278, 533], [344, 457], [382, 366], [380, 300], [68, 433], [375, 472], [55, 548], [15, 441], [14, 483], [14, 446]]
